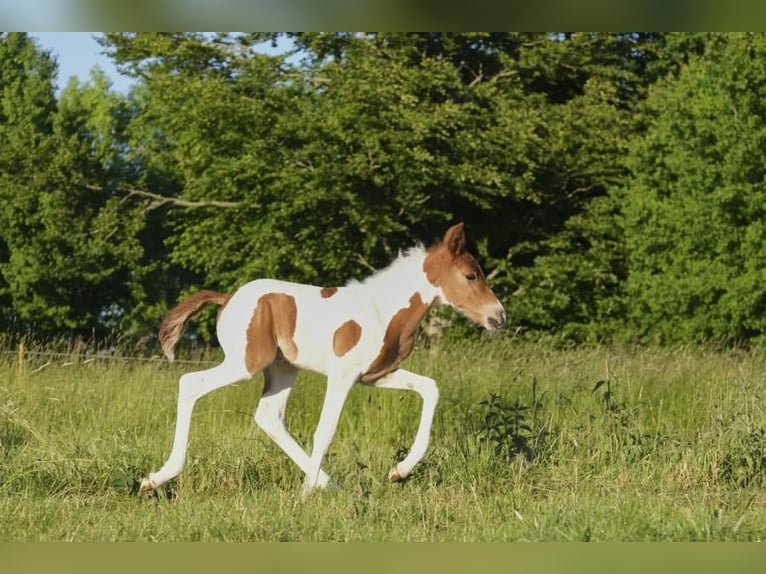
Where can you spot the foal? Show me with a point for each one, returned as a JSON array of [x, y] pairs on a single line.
[[357, 333]]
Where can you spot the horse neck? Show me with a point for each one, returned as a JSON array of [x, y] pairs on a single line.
[[394, 287]]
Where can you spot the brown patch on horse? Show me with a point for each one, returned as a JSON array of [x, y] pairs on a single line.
[[398, 340], [346, 337], [328, 292], [270, 331]]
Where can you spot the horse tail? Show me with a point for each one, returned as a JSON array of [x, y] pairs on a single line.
[[173, 325]]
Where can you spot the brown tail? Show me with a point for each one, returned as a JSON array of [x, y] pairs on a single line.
[[173, 325]]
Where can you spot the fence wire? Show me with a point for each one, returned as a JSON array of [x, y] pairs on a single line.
[[83, 358]]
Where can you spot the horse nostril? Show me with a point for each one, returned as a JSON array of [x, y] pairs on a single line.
[[498, 321]]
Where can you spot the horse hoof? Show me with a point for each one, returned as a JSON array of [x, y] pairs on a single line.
[[394, 475], [147, 485]]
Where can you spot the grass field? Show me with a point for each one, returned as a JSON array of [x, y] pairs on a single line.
[[529, 443]]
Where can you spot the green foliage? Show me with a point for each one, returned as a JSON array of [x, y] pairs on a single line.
[[511, 428], [694, 208], [610, 183]]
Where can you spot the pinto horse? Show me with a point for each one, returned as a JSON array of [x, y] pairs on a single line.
[[360, 332]]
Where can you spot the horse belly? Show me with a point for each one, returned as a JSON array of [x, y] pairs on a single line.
[[334, 336], [313, 339]]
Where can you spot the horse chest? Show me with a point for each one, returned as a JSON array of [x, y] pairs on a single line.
[[398, 340]]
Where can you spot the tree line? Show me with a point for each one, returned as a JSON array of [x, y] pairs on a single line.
[[612, 184]]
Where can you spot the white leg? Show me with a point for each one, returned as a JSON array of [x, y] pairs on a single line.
[[270, 415], [191, 387], [335, 397], [427, 389]]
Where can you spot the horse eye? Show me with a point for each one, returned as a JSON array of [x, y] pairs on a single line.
[[470, 276]]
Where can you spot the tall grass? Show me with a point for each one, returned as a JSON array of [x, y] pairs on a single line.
[[529, 443]]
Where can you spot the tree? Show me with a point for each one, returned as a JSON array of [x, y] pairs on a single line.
[[373, 141], [27, 102], [604, 193], [327, 167], [565, 265], [71, 245], [694, 206]]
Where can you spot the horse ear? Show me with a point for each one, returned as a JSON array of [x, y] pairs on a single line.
[[454, 239]]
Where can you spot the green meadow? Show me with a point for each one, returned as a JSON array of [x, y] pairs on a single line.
[[530, 443]]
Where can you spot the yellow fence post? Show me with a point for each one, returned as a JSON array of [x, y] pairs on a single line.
[[20, 364]]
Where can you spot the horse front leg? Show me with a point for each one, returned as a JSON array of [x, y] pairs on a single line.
[[429, 392], [335, 397]]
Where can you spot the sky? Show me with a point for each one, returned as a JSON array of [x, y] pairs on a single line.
[[77, 54]]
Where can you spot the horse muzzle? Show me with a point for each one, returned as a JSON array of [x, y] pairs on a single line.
[[497, 321]]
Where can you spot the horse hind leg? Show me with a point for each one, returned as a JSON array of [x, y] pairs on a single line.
[[270, 414], [192, 387]]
